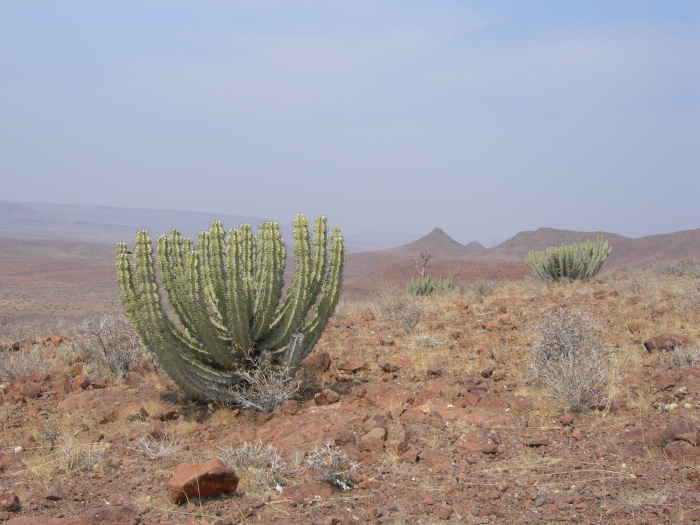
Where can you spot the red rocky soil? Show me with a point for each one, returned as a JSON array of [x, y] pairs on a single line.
[[445, 424]]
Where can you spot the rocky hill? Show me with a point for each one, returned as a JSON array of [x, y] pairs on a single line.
[[625, 251]]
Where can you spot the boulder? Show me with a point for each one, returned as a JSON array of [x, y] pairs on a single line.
[[664, 342], [210, 479]]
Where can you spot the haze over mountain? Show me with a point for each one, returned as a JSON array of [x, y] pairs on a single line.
[[109, 224]]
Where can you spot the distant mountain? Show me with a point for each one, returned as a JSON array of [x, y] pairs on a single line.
[[109, 224], [437, 242], [625, 251]]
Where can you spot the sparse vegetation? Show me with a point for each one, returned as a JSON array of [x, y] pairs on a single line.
[[428, 285], [259, 465], [571, 360], [111, 344], [332, 465], [575, 261], [266, 386]]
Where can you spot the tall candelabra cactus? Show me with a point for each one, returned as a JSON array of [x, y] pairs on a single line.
[[576, 261], [228, 294]]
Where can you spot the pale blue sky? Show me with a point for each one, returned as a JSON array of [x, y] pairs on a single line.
[[481, 118]]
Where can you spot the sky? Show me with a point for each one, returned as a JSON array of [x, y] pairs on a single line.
[[483, 118]]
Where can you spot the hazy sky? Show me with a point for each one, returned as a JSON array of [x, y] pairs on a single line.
[[481, 118]]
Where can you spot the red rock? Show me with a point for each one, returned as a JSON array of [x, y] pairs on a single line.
[[566, 420], [81, 381], [387, 367], [376, 433], [389, 394], [210, 479], [681, 429], [435, 460], [9, 502], [73, 370], [136, 412], [484, 440], [318, 363], [31, 390], [352, 366], [326, 397], [665, 342], [680, 451], [538, 440]]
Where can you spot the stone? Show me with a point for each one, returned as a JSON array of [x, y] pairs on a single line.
[[209, 479], [387, 367], [31, 390], [681, 429], [664, 342], [389, 394], [81, 381], [318, 363], [435, 460], [376, 433], [484, 440], [136, 412], [352, 366], [680, 451], [9, 502], [326, 397]]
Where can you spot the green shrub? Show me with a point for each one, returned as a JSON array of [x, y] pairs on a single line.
[[575, 261], [429, 284]]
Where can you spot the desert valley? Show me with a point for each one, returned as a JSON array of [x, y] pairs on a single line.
[[410, 409]]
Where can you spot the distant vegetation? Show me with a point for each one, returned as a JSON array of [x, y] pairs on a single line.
[[573, 262]]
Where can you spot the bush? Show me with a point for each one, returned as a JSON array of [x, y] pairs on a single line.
[[429, 284], [399, 309], [572, 361], [111, 344], [332, 466], [260, 466], [22, 363], [267, 387]]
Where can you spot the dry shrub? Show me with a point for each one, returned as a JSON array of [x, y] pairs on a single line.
[[477, 290], [683, 356], [572, 361], [111, 343], [332, 466], [23, 363], [267, 387], [161, 446], [257, 465], [400, 310]]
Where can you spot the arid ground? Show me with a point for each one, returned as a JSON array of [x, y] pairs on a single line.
[[430, 405]]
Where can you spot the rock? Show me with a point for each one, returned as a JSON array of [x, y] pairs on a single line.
[[387, 367], [136, 412], [681, 429], [81, 381], [435, 371], [210, 479], [376, 433], [9, 502], [680, 451], [352, 366], [484, 440], [326, 397], [389, 394], [54, 493], [538, 440], [566, 420], [664, 342], [31, 390], [435, 460], [318, 363]]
